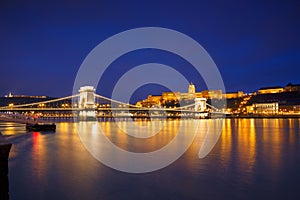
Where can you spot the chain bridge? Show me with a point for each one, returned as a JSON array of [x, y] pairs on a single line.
[[87, 105]]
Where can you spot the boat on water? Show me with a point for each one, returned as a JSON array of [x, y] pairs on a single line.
[[41, 127]]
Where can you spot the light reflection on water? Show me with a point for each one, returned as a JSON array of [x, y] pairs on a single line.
[[254, 158], [11, 128]]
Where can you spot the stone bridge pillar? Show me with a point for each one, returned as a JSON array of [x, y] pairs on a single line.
[[86, 104], [200, 104]]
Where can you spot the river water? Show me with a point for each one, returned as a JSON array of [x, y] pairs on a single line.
[[253, 159]]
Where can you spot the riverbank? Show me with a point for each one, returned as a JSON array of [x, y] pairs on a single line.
[[5, 147], [263, 116]]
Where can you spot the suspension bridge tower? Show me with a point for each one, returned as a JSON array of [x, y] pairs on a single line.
[[86, 103], [200, 104]]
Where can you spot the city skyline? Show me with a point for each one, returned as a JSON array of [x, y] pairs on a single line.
[[10, 94], [43, 45]]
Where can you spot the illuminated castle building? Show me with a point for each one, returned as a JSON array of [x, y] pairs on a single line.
[[270, 90], [292, 87], [168, 99], [192, 89]]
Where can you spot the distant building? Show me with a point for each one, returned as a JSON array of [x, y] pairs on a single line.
[[249, 109], [290, 109], [234, 95], [154, 100], [10, 95], [171, 96], [292, 88], [266, 108], [168, 98], [212, 94], [192, 89], [270, 90], [175, 98], [17, 100]]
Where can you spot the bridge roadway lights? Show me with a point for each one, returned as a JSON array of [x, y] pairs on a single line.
[[87, 115], [5, 147]]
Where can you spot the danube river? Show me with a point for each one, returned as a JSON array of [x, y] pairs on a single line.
[[253, 159]]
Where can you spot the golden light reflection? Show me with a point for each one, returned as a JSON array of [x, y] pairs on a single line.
[[291, 131], [116, 134], [226, 142], [244, 144], [275, 137], [247, 144], [240, 141], [191, 158]]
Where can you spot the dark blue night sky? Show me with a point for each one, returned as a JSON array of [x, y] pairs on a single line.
[[43, 43]]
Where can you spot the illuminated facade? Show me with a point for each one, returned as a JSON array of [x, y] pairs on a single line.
[[192, 89], [154, 99], [234, 95], [292, 88], [167, 97], [212, 94], [10, 95], [270, 90], [266, 108], [171, 96], [176, 97]]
